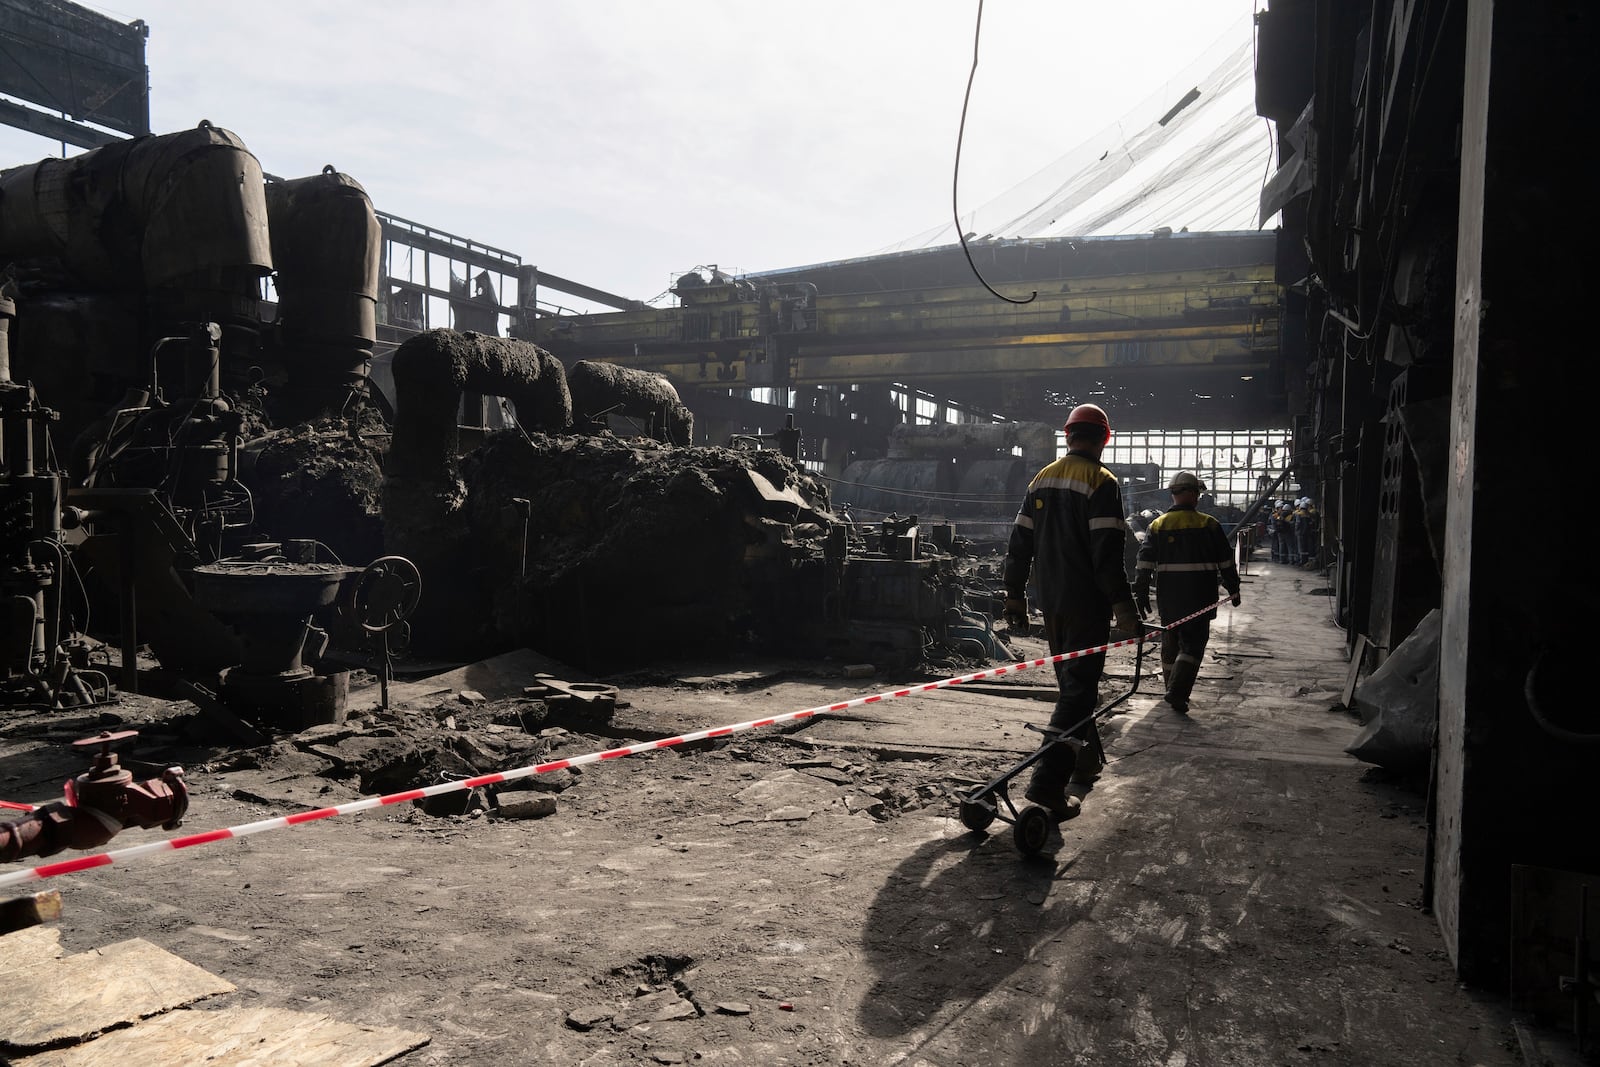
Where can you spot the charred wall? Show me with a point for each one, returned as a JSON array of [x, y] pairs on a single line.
[[1422, 174]]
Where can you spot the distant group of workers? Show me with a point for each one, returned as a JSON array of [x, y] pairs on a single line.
[[1070, 537], [1293, 527]]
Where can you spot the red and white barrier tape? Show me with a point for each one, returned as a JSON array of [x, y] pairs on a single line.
[[282, 822]]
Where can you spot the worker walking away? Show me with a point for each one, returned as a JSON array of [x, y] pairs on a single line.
[[1186, 553], [1069, 535]]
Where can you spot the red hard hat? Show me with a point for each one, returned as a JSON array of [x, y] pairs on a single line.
[[1088, 415]]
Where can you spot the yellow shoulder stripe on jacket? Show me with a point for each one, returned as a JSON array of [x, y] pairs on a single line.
[[1169, 521], [1076, 473]]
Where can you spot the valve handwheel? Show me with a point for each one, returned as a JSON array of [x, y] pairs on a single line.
[[386, 593]]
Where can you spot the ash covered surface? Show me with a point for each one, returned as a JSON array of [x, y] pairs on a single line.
[[318, 481], [634, 550], [411, 748]]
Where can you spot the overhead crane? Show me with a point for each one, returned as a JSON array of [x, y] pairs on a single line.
[[1177, 324]]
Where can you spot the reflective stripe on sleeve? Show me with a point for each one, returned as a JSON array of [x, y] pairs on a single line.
[[1024, 521], [1166, 567], [1108, 524]]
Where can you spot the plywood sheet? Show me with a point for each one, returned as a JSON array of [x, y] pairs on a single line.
[[238, 1037], [75, 996], [23, 948]]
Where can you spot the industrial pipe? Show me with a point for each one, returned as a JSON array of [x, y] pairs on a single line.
[[98, 804], [328, 248], [184, 212], [433, 369]]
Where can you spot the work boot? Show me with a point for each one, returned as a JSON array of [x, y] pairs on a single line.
[[1087, 770], [1054, 799], [1047, 786], [1181, 683]]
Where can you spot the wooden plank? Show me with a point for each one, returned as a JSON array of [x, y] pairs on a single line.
[[242, 1037], [74, 997], [17, 913], [24, 948]]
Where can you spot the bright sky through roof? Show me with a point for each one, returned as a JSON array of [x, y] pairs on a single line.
[[621, 142]]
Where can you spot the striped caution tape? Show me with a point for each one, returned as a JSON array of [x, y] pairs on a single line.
[[283, 822]]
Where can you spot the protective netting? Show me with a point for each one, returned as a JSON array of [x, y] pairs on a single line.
[[1200, 170]]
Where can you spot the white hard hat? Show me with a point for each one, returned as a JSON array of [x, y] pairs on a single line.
[[1185, 480]]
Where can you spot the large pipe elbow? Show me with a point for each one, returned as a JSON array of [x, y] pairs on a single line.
[[422, 489], [600, 388], [328, 247], [200, 196], [177, 210], [431, 371]]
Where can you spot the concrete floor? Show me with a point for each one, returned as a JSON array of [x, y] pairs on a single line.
[[1237, 891]]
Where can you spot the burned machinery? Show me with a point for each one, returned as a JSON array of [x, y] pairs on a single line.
[[901, 596], [539, 536], [135, 308], [974, 472]]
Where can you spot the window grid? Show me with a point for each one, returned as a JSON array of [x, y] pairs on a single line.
[[1236, 465]]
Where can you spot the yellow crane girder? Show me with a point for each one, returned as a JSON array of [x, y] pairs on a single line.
[[750, 333]]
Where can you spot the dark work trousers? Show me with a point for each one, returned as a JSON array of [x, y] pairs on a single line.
[[1187, 642], [1079, 682]]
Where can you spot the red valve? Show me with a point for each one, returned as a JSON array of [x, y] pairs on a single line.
[[98, 804]]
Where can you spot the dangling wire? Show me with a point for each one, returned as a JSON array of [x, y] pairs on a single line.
[[955, 181]]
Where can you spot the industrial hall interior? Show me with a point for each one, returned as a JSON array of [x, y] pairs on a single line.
[[1070, 600]]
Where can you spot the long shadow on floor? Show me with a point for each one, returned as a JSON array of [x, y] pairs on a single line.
[[952, 922]]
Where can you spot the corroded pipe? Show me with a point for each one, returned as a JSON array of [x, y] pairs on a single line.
[[328, 247], [184, 212], [600, 389], [433, 369]]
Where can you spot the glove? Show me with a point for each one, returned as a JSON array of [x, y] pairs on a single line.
[[1144, 605], [1016, 613], [1234, 600], [1125, 621]]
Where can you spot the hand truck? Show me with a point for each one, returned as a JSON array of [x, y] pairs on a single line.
[[1030, 824]]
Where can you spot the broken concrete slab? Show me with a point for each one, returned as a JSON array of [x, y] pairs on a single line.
[[663, 1006], [495, 678], [525, 806], [790, 814], [587, 1018]]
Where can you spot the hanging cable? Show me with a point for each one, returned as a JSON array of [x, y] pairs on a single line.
[[955, 180]]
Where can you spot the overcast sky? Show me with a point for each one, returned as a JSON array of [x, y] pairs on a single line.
[[622, 142]]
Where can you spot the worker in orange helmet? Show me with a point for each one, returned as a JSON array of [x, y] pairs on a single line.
[[1069, 534]]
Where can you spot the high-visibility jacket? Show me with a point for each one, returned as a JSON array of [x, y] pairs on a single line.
[[1186, 553], [1069, 532]]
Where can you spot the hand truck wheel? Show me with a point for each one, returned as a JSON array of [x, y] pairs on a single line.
[[976, 816], [1032, 829]]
